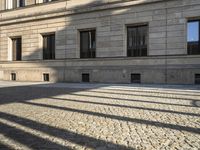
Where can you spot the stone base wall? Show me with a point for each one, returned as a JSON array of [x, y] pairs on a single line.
[[112, 70]]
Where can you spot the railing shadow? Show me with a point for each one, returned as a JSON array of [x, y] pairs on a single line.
[[130, 100], [150, 91], [128, 106], [15, 94], [26, 94], [28, 139], [5, 147], [144, 95], [121, 118]]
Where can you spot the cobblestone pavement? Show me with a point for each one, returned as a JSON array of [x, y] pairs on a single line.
[[99, 116]]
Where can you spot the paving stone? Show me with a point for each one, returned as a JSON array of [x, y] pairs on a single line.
[[86, 117]]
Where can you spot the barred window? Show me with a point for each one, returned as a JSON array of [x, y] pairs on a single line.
[[137, 41]]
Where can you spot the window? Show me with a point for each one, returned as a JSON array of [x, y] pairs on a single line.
[[45, 1], [193, 41], [46, 77], [13, 76], [85, 77], [11, 4], [135, 78], [197, 78], [21, 3], [88, 44], [16, 49], [49, 46], [137, 41]]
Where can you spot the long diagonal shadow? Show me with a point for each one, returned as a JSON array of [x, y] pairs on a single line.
[[130, 100], [154, 92], [28, 139], [5, 147], [57, 132], [127, 106], [122, 118], [143, 95]]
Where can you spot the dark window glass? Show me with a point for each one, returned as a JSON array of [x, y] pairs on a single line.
[[137, 41], [193, 42], [45, 1], [135, 78], [21, 3], [87, 44], [18, 3], [49, 46], [16, 49], [197, 78], [85, 77]]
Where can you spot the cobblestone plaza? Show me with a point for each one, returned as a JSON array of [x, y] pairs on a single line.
[[99, 116]]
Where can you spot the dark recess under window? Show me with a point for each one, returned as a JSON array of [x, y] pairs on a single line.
[[197, 78], [85, 77], [88, 44], [46, 77], [137, 41], [135, 78], [193, 37], [49, 46], [16, 49]]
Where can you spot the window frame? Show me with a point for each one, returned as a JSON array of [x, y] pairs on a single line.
[[14, 4], [137, 25], [191, 52], [9, 4], [91, 52], [16, 56], [53, 53]]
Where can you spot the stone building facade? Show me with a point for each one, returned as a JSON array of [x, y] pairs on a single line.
[[107, 41]]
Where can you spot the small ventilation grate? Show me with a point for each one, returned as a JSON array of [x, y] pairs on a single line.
[[197, 78], [46, 77], [13, 76], [135, 78], [85, 77]]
